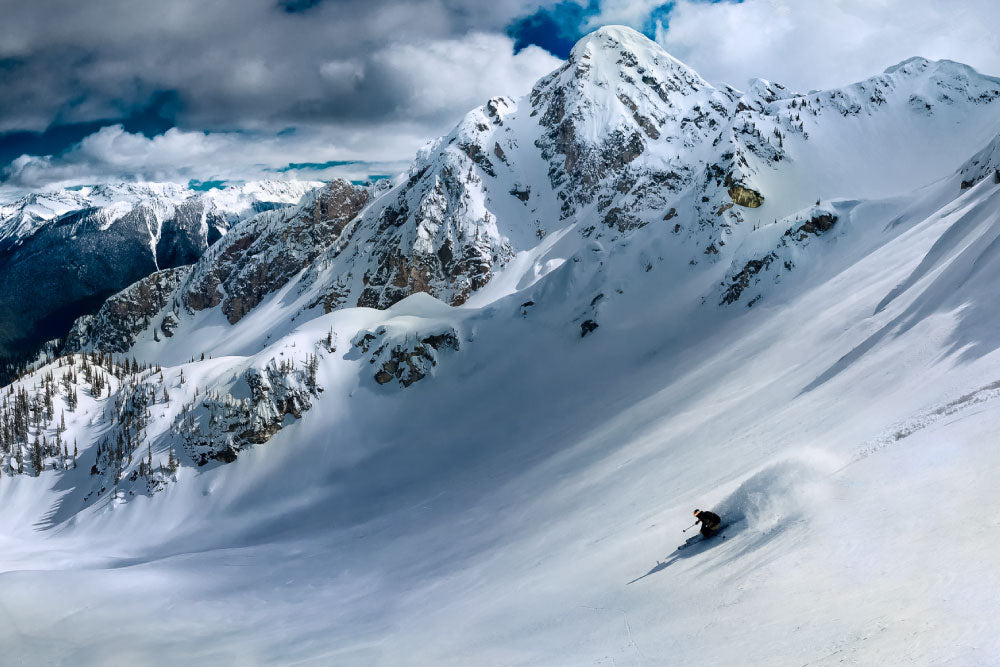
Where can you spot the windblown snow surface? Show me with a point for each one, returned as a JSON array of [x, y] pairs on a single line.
[[522, 505]]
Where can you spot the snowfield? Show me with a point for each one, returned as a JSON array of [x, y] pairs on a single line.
[[520, 503]]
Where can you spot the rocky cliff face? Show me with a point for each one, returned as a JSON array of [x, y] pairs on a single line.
[[982, 166], [217, 426], [264, 254], [114, 327], [408, 356]]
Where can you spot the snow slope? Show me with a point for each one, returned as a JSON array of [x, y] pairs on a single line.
[[521, 501]]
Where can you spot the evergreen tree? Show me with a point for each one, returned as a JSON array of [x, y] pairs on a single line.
[[36, 456], [312, 366]]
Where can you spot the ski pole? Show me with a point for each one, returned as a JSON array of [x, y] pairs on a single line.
[[690, 527]]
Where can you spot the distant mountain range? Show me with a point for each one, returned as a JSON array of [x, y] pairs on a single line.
[[63, 252]]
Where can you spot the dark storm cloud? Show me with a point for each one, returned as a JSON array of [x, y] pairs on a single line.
[[344, 73], [155, 118], [226, 89], [232, 64]]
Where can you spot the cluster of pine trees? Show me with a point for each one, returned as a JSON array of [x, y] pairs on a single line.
[[30, 437], [130, 415], [27, 420], [287, 367], [33, 415]]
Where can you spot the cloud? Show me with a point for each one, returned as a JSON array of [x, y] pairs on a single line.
[[250, 86], [233, 64], [180, 156], [431, 82], [352, 79], [432, 79], [809, 45], [369, 113]]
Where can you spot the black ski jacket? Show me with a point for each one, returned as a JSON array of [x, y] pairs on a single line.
[[709, 519]]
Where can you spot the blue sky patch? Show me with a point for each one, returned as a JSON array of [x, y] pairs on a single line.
[[202, 186], [555, 29], [660, 15], [152, 119], [298, 6], [317, 166], [371, 179]]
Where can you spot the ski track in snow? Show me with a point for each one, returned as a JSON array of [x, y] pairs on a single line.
[[905, 429]]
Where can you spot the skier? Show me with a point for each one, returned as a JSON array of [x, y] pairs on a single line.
[[710, 522]]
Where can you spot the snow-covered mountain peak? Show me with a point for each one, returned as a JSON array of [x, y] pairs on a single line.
[[134, 191], [944, 68], [929, 83], [610, 47], [22, 217], [99, 239], [616, 67], [618, 98], [908, 65], [768, 91]]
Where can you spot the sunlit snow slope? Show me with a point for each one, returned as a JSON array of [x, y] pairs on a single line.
[[502, 478]]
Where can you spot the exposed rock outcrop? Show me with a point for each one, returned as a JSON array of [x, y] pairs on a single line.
[[790, 245], [744, 196], [407, 357], [127, 314], [261, 256], [816, 225], [742, 279], [220, 425]]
